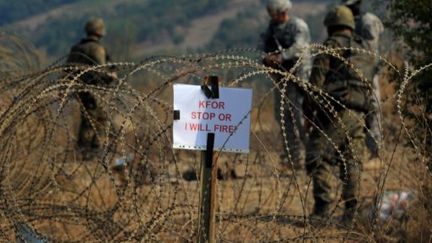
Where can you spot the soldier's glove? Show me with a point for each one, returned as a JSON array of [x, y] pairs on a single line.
[[273, 60]]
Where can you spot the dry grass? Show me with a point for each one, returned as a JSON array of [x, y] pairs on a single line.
[[45, 183]]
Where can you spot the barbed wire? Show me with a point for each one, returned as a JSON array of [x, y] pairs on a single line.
[[48, 189]]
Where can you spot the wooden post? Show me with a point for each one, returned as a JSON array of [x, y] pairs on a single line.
[[206, 218], [207, 211]]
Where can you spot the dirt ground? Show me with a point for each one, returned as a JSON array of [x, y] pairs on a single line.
[[258, 200], [47, 185]]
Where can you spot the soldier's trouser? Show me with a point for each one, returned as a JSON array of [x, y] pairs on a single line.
[[91, 128], [293, 119], [373, 120], [322, 152]]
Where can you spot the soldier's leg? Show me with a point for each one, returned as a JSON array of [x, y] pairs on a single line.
[[322, 190], [86, 131], [277, 116], [350, 175], [320, 171], [85, 134], [284, 158], [291, 123], [373, 121], [350, 169], [296, 99], [101, 121]]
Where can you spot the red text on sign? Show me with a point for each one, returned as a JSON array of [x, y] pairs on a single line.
[[200, 127], [224, 128], [203, 115], [197, 127], [211, 104], [224, 117]]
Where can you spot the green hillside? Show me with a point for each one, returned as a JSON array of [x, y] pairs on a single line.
[[12, 11], [148, 25]]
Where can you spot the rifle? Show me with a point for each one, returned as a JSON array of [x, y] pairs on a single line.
[[279, 46]]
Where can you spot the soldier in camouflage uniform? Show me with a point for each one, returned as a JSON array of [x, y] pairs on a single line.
[[285, 42], [338, 138], [370, 27], [89, 51]]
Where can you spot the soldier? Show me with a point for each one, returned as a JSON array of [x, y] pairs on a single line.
[[338, 138], [89, 51], [370, 27], [285, 42]]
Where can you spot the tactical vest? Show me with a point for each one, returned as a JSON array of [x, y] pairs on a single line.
[[273, 45], [344, 82], [282, 38], [86, 53], [82, 52]]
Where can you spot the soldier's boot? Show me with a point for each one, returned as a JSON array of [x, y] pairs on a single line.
[[95, 144], [320, 214], [83, 138], [321, 209], [349, 212], [86, 144], [350, 189]]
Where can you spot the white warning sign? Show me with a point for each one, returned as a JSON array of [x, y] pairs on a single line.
[[228, 117]]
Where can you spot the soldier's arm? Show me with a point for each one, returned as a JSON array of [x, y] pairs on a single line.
[[264, 37], [99, 55], [113, 69], [301, 41], [269, 60], [101, 58], [321, 66], [320, 69]]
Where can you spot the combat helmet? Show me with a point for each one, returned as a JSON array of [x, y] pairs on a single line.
[[350, 2], [275, 6], [340, 16], [95, 26]]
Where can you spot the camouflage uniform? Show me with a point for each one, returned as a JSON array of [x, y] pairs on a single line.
[[89, 51], [294, 37], [370, 27], [337, 141]]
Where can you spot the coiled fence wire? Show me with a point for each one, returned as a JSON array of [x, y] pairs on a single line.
[[50, 192]]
